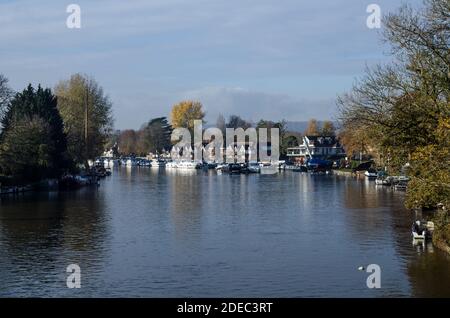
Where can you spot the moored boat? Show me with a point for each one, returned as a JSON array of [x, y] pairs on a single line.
[[371, 173], [254, 167], [422, 230]]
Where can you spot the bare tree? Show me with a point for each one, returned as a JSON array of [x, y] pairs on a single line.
[[5, 93]]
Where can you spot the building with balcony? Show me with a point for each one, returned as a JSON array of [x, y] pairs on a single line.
[[322, 147]]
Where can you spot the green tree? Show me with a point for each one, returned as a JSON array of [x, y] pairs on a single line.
[[33, 144], [128, 142], [81, 100], [156, 135]]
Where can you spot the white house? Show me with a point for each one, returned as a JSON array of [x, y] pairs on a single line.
[[317, 147]]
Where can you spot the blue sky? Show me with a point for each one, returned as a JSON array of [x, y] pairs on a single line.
[[256, 58]]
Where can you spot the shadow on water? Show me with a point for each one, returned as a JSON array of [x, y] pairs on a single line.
[[42, 233]]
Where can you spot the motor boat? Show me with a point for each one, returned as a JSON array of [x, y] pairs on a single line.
[[300, 168], [401, 186], [371, 173], [422, 230], [171, 165], [187, 165], [221, 166], [158, 163], [254, 167], [383, 181]]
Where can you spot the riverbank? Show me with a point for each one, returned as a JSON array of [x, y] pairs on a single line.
[[441, 235]]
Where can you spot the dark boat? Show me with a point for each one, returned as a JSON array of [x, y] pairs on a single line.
[[300, 169], [319, 164]]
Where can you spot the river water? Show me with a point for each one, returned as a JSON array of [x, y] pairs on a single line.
[[149, 232]]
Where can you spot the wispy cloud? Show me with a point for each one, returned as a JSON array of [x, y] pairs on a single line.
[[302, 53]]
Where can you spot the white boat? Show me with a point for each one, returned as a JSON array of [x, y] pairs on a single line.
[[130, 163], [422, 230], [158, 163], [401, 186], [187, 165], [383, 181], [220, 166], [171, 165], [144, 163], [254, 167], [371, 173]]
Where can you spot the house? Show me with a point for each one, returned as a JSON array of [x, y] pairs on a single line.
[[321, 147]]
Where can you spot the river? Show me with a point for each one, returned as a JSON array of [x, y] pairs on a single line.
[[149, 232]]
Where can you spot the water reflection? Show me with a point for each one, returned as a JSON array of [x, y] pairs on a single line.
[[157, 232], [41, 234]]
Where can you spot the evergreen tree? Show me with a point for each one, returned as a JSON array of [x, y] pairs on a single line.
[[33, 144]]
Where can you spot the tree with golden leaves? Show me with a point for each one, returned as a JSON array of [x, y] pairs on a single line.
[[312, 128], [185, 112]]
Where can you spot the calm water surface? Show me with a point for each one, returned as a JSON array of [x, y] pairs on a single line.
[[157, 233]]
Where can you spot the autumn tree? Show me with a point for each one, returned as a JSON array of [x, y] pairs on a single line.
[[86, 111], [328, 128], [430, 173], [312, 129], [184, 113]]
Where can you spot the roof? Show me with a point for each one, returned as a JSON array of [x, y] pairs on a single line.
[[324, 141]]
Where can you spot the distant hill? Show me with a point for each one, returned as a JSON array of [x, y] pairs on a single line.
[[293, 126]]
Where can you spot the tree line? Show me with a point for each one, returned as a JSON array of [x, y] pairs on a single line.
[[154, 136], [46, 133]]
